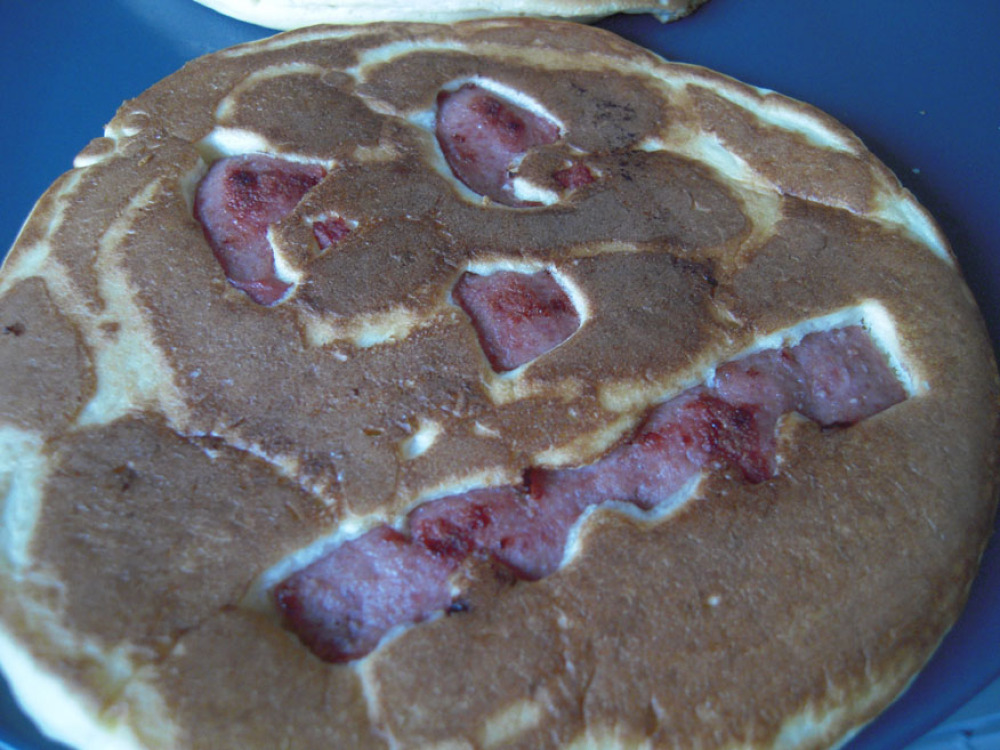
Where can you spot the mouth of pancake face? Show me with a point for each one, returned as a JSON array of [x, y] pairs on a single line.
[[344, 604]]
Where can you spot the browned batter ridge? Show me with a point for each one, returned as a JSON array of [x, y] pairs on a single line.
[[496, 384]]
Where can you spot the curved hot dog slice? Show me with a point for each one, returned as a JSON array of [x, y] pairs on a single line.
[[389, 578], [236, 201], [483, 137]]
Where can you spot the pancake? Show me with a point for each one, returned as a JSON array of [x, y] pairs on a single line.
[[496, 384], [293, 14]]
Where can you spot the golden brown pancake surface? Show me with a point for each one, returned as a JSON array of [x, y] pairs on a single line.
[[174, 446]]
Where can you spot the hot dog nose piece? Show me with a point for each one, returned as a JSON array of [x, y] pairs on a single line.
[[517, 316]]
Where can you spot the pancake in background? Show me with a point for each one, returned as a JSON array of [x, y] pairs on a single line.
[[293, 14]]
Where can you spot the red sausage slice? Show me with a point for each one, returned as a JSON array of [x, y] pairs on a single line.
[[330, 231], [236, 201], [517, 316], [343, 605], [483, 136], [509, 524], [574, 176]]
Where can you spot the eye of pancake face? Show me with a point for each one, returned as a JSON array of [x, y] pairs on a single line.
[[483, 137], [238, 200], [517, 316]]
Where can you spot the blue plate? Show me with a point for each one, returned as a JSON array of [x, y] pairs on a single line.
[[918, 82]]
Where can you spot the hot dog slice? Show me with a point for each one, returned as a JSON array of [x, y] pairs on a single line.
[[517, 316], [513, 526], [236, 201], [483, 137], [344, 604]]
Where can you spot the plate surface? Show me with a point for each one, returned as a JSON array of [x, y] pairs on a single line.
[[918, 82]]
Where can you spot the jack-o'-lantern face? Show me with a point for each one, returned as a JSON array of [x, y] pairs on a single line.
[[438, 337], [493, 154]]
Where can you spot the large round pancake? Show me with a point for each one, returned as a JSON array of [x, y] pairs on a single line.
[[790, 609], [293, 14]]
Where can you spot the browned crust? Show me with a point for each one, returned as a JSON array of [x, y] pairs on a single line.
[[46, 368], [819, 592]]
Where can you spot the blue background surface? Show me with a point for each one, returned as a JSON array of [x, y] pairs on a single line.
[[919, 82]]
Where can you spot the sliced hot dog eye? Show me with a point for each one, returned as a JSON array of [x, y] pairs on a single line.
[[517, 316], [483, 136], [343, 604], [236, 201]]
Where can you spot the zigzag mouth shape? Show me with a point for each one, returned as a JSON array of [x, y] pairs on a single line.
[[342, 605]]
